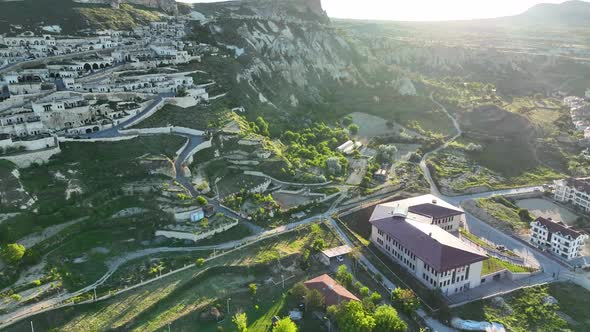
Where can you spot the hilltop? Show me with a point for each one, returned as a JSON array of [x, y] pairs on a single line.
[[569, 13]]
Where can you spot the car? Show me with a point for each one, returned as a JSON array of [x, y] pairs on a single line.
[[340, 259]]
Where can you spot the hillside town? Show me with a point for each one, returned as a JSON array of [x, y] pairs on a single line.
[[74, 86]]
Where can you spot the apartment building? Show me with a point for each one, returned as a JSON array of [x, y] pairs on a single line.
[[420, 244], [557, 237], [574, 191]]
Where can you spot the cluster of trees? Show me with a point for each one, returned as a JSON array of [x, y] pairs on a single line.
[[353, 316], [368, 178], [369, 299], [285, 324], [260, 126], [315, 243], [386, 153], [266, 204], [313, 146]]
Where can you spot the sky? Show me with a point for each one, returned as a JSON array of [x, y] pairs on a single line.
[[423, 10]]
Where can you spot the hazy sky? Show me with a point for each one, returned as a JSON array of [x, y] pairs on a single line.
[[423, 10]]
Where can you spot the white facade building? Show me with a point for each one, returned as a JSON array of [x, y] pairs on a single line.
[[562, 240], [573, 191], [434, 256]]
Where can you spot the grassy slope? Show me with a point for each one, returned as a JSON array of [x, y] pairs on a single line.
[[529, 312], [100, 168], [509, 215], [71, 16], [179, 299]]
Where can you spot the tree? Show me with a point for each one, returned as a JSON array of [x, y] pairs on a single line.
[[285, 325], [343, 276], [204, 223], [364, 291], [262, 126], [314, 300], [406, 299], [299, 290], [387, 320], [200, 262], [318, 245], [353, 129], [524, 215], [375, 297], [13, 253], [386, 153], [351, 317], [240, 320], [202, 200], [253, 288], [347, 121]]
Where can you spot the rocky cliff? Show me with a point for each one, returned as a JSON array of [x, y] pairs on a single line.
[[287, 49]]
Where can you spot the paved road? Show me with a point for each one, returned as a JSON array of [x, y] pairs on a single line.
[[114, 131], [181, 160]]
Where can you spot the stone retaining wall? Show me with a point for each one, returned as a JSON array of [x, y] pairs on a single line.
[[195, 237], [25, 160]]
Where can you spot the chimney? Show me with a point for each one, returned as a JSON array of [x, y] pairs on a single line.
[[430, 234], [434, 201]]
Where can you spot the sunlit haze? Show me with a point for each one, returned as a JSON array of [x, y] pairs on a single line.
[[423, 10]]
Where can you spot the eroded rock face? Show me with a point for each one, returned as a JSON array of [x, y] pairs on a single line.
[[289, 49]]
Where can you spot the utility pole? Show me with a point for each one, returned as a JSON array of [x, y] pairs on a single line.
[[283, 277], [95, 294], [32, 327], [228, 299]]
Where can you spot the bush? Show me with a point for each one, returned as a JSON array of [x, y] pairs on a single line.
[[253, 289], [13, 253], [202, 200], [200, 262], [353, 129]]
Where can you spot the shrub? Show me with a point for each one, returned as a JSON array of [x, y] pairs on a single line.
[[253, 288]]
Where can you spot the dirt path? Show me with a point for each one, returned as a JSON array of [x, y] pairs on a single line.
[[433, 188]]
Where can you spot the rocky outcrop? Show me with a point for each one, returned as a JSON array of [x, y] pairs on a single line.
[[288, 49], [168, 6]]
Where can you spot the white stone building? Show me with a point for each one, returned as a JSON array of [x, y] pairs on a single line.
[[557, 237], [434, 256]]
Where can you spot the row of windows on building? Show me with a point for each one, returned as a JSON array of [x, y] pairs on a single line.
[[398, 251], [442, 221]]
